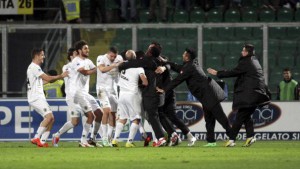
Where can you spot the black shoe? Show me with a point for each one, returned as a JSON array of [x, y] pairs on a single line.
[[92, 142]]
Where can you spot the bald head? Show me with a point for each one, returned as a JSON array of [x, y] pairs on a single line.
[[130, 55]]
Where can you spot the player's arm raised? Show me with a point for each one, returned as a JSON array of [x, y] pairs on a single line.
[[105, 69], [48, 78]]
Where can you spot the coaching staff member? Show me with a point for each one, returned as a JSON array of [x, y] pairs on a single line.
[[205, 89], [249, 92], [149, 94]]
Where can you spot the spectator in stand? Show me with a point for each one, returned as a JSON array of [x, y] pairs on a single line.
[[206, 5], [94, 5], [288, 89], [54, 88], [124, 5], [71, 14], [186, 4], [163, 10]]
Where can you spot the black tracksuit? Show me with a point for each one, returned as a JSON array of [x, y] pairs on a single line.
[[206, 90], [149, 94], [168, 110], [250, 91]]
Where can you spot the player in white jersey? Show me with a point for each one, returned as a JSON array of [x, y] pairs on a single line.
[[107, 77], [82, 68], [130, 100], [36, 96], [74, 110]]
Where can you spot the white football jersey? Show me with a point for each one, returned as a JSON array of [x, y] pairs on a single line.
[[79, 81], [34, 83], [67, 67], [129, 79], [110, 78]]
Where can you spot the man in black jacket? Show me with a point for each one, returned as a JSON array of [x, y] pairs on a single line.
[[149, 94], [249, 93], [167, 112], [205, 89]]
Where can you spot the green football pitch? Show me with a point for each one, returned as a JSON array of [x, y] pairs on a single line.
[[261, 155]]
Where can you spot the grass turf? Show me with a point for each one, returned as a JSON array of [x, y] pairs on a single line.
[[263, 154]]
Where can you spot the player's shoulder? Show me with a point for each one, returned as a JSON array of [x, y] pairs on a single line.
[[34, 66], [119, 58], [100, 57]]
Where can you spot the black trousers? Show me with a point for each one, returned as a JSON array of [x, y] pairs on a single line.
[[213, 115], [165, 122], [169, 109], [243, 116], [150, 105]]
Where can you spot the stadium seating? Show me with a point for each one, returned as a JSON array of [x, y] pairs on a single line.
[[285, 15], [143, 33], [288, 47], [257, 33], [157, 33], [219, 47], [286, 60], [249, 14], [277, 32], [297, 15], [225, 33], [233, 15], [213, 61], [210, 34], [235, 47], [190, 33], [273, 52], [174, 33], [143, 15], [182, 44], [266, 15], [214, 15], [243, 33], [197, 16], [292, 33], [180, 16]]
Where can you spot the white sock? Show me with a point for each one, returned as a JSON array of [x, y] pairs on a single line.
[[119, 128], [100, 132], [45, 136], [110, 131], [39, 132], [141, 128], [189, 135], [132, 132], [96, 126], [104, 130], [85, 132], [66, 127]]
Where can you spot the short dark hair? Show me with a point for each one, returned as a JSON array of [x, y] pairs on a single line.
[[113, 49], [287, 69], [155, 52], [158, 45], [139, 54], [70, 53], [79, 44], [36, 51], [52, 72], [250, 49], [191, 52]]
